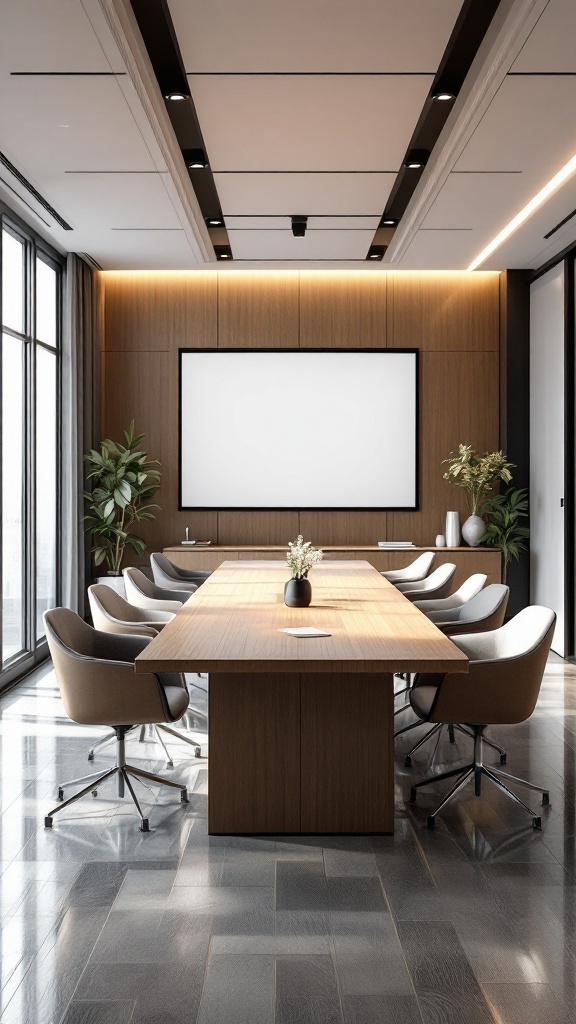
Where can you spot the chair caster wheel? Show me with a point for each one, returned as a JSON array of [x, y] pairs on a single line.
[[169, 764], [60, 793], [537, 822], [184, 797], [412, 795], [431, 821], [545, 799], [502, 758], [407, 761], [47, 822], [90, 755], [197, 751], [94, 792], [145, 827]]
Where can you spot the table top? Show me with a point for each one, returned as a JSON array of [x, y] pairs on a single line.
[[231, 625]]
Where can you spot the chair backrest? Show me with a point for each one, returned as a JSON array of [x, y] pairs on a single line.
[[112, 614], [483, 612], [166, 574], [472, 586], [142, 593], [505, 673], [437, 584], [95, 673], [417, 569]]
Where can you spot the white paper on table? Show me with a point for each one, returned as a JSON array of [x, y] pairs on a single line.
[[304, 631]]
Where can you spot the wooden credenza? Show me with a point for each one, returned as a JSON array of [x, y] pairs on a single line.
[[467, 560]]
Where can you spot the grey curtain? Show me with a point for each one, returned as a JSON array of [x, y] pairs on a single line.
[[81, 362]]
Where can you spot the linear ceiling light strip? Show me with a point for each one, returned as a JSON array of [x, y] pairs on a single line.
[[526, 212]]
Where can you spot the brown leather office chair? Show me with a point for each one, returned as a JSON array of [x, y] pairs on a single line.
[[501, 688], [484, 612], [112, 614], [98, 686]]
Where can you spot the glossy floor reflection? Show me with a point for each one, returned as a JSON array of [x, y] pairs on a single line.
[[474, 922]]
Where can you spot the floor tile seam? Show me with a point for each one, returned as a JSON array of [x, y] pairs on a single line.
[[408, 971]]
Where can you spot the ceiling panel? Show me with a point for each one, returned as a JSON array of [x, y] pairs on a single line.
[[357, 194], [50, 35], [325, 35], [529, 126], [116, 250], [114, 200], [71, 124], [310, 123], [550, 47], [316, 245], [438, 250], [478, 201], [314, 223]]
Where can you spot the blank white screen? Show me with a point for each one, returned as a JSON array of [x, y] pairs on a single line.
[[298, 429]]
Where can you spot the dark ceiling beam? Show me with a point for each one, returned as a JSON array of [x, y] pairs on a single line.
[[469, 31], [157, 30]]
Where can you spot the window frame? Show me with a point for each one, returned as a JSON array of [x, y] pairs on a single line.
[[35, 650]]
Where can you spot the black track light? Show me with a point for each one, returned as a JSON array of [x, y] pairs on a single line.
[[376, 252], [223, 252], [176, 95], [299, 224], [215, 222], [388, 222]]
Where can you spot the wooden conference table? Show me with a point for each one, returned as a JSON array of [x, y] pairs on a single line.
[[300, 730]]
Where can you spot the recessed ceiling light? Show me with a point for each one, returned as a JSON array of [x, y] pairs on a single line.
[[443, 96], [416, 159], [388, 222], [376, 252], [195, 158], [223, 252], [215, 222], [535, 203], [176, 96]]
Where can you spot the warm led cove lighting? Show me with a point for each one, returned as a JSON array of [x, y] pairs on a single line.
[[535, 203]]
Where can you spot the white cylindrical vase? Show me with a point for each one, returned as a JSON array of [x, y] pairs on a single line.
[[452, 531]]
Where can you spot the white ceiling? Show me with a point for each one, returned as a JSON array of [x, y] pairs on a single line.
[[306, 108]]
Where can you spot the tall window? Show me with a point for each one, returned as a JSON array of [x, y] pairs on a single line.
[[31, 330]]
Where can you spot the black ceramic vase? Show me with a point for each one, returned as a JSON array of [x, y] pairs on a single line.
[[297, 593]]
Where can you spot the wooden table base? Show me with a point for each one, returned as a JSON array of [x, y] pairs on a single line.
[[306, 753]]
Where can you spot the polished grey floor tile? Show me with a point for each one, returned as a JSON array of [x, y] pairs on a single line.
[[238, 990], [112, 1011], [304, 886], [368, 955], [307, 990], [387, 1009], [527, 1004]]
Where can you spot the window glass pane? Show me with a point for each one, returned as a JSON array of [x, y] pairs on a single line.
[[46, 283], [12, 282], [12, 499], [46, 484]]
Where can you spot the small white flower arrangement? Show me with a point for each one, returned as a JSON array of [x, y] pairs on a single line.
[[301, 557]]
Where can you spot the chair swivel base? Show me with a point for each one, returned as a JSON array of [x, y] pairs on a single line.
[[123, 771], [436, 730], [476, 770]]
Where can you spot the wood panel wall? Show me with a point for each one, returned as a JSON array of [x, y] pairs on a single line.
[[453, 318]]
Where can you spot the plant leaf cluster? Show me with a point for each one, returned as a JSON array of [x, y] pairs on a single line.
[[476, 473], [125, 481], [504, 529]]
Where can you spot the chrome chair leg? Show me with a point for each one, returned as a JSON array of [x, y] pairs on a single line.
[[424, 739], [158, 737]]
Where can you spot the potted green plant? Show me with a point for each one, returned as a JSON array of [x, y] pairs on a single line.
[[125, 481], [300, 558], [504, 529], [476, 474]]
